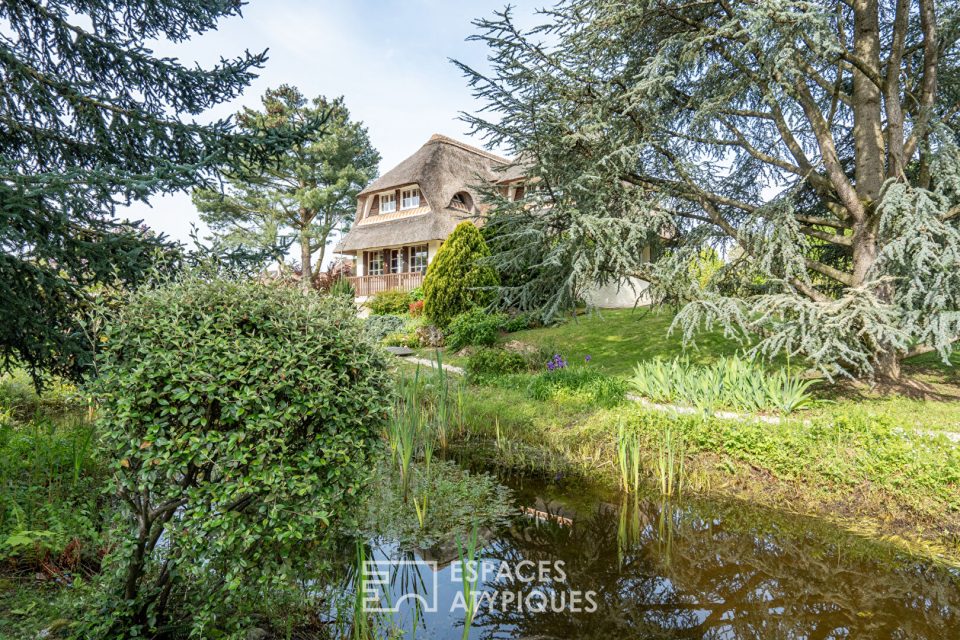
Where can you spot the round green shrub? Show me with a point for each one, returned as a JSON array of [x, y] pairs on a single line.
[[519, 322], [241, 419], [456, 280], [389, 303], [486, 361], [475, 328]]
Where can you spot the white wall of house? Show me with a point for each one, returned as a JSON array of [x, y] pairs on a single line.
[[613, 296], [432, 249]]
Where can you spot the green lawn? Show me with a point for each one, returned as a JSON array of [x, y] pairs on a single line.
[[616, 339]]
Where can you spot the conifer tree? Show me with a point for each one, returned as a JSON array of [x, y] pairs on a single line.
[[816, 141], [457, 279], [92, 119], [303, 194]]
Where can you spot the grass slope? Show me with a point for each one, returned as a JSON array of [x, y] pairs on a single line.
[[616, 339]]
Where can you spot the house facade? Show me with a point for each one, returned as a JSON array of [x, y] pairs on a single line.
[[405, 215]]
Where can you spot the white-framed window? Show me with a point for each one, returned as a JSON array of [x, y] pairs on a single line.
[[396, 260], [418, 259], [388, 202], [409, 199], [375, 263]]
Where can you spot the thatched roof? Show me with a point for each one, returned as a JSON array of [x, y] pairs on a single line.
[[442, 168], [416, 229]]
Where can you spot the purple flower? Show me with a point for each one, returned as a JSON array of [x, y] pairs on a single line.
[[587, 359], [556, 362]]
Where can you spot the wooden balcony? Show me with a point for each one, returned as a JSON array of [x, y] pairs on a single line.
[[371, 285]]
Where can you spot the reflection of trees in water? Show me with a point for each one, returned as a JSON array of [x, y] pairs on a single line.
[[662, 571]]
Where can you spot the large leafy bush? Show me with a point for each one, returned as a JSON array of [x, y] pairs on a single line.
[[241, 418], [457, 280], [475, 328], [389, 303]]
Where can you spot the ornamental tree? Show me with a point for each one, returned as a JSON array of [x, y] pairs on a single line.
[[92, 119], [241, 419], [814, 143], [306, 192], [458, 279]]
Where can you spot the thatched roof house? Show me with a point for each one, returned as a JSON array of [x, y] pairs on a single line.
[[404, 216]]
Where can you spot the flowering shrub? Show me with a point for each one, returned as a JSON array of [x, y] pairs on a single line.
[[556, 362], [416, 308]]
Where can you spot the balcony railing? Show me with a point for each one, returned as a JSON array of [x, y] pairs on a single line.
[[370, 285]]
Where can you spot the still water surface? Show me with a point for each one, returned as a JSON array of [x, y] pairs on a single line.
[[666, 569]]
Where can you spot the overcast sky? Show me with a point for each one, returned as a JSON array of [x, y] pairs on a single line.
[[388, 58]]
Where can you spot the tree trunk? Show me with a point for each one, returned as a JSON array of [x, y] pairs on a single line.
[[870, 153], [888, 365], [868, 138], [865, 250], [306, 268]]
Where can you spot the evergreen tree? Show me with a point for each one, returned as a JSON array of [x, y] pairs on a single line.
[[816, 141], [458, 279], [92, 119], [306, 192]]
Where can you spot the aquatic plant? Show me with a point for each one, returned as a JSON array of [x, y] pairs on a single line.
[[670, 458], [421, 508], [628, 458], [734, 383], [468, 562]]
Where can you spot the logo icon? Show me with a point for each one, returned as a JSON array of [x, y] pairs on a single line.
[[388, 583]]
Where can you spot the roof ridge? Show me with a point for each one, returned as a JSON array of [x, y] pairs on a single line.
[[439, 137]]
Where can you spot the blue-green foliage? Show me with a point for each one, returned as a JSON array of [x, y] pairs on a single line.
[[379, 327]]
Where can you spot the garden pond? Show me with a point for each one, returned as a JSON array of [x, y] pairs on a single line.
[[572, 562]]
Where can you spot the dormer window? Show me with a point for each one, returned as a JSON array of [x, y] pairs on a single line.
[[462, 201], [388, 203], [409, 199]]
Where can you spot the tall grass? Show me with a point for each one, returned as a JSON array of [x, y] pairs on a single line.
[[467, 554], [731, 383], [628, 458], [425, 411], [670, 457], [51, 484], [668, 465], [404, 429]]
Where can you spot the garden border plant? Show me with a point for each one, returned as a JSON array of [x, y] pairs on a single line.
[[241, 418]]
